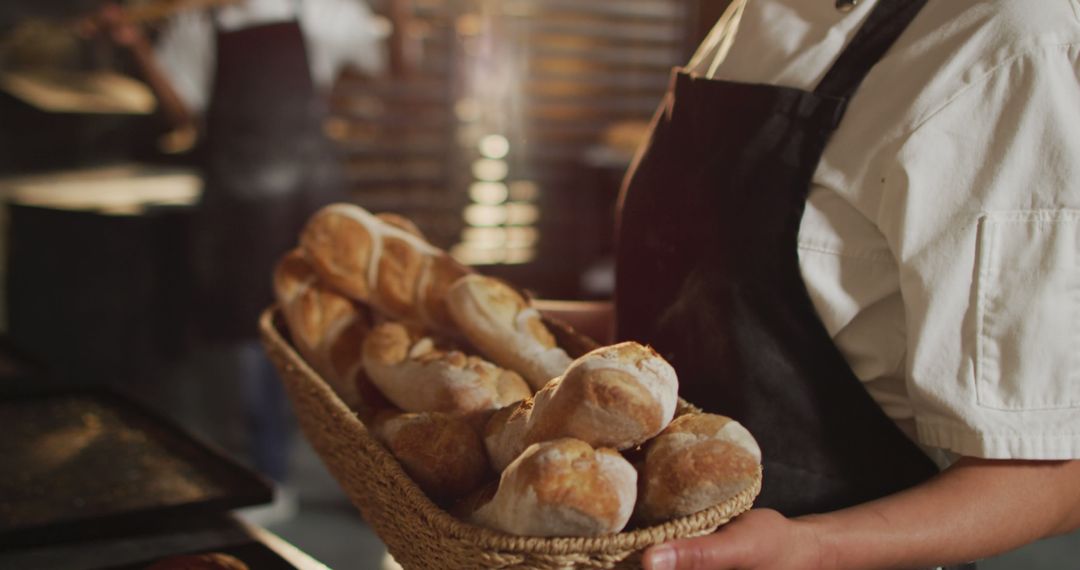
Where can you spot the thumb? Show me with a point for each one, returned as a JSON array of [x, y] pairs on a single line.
[[704, 553]]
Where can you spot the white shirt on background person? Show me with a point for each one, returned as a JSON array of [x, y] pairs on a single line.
[[337, 33]]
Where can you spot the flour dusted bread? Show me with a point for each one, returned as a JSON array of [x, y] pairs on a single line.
[[384, 263], [326, 327], [616, 396], [505, 328], [442, 452], [698, 461], [418, 375], [562, 488]]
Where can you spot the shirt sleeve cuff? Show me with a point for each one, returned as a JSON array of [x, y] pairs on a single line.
[[967, 441]]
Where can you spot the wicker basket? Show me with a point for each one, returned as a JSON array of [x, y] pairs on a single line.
[[418, 533]]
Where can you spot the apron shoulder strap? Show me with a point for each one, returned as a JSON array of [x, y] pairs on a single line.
[[887, 20]]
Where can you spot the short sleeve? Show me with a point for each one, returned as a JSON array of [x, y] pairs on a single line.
[[342, 33], [982, 210], [185, 51]]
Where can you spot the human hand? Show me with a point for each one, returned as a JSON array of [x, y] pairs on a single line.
[[760, 539]]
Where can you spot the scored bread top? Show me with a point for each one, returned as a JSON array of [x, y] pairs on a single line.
[[505, 328], [383, 263], [698, 461], [562, 488]]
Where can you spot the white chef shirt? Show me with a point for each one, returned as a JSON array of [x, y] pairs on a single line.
[[941, 239], [337, 33]]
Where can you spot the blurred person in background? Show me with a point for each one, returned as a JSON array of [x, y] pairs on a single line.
[[252, 78]]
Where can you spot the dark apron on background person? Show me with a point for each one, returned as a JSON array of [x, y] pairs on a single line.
[[268, 166], [708, 274]]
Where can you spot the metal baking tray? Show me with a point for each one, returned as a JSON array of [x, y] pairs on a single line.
[[79, 462]]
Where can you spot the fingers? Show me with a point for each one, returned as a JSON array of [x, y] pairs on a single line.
[[711, 552], [760, 539]]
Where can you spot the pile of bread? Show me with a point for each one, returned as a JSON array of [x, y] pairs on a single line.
[[460, 378]]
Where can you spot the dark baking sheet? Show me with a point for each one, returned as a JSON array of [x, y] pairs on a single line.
[[254, 555], [77, 462]]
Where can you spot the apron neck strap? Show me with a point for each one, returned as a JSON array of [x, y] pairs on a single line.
[[887, 20]]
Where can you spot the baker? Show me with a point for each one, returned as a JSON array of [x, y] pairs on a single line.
[[855, 230]]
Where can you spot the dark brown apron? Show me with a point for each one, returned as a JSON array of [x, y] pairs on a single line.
[[267, 168], [708, 273]]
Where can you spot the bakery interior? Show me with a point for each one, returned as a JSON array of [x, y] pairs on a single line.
[[501, 128]]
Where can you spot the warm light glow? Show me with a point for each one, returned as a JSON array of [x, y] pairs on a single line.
[[521, 214], [481, 215], [488, 192], [490, 169], [519, 255], [469, 255], [484, 237], [521, 236], [524, 191], [467, 109], [469, 25], [494, 146]]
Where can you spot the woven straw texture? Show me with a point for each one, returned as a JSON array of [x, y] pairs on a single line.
[[419, 534]]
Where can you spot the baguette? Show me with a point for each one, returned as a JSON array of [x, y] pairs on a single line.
[[502, 325], [562, 488], [326, 327], [617, 396], [383, 263], [698, 461], [417, 375]]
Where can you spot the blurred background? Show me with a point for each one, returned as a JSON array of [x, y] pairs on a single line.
[[502, 128]]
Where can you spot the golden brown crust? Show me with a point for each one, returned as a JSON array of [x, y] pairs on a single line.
[[694, 464], [605, 389], [417, 375], [441, 452], [502, 325], [326, 327], [562, 488], [617, 396], [399, 270], [340, 248], [574, 481], [400, 222], [382, 260], [440, 273]]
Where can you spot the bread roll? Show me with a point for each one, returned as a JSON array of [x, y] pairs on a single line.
[[562, 488], [418, 376], [616, 396], [378, 262], [443, 453], [505, 328], [326, 327], [698, 461]]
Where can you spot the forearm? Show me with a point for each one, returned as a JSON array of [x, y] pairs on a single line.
[[594, 319], [975, 509], [173, 107]]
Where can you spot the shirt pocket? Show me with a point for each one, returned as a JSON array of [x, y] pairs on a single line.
[[1028, 293]]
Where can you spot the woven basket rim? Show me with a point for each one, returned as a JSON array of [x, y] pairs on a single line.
[[702, 522]]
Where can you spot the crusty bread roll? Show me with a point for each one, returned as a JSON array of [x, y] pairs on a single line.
[[698, 461], [505, 328], [442, 452], [378, 262], [615, 396], [326, 327], [562, 488], [417, 375]]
